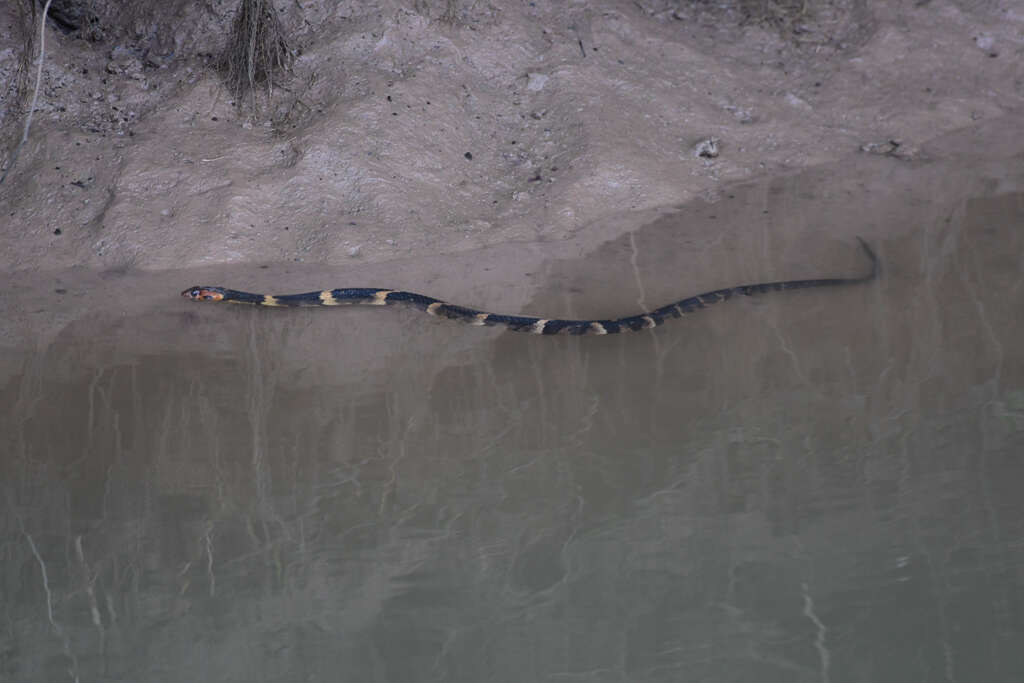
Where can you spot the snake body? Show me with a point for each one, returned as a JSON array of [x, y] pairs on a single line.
[[518, 323]]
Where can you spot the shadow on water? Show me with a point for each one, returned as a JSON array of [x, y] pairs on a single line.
[[811, 486]]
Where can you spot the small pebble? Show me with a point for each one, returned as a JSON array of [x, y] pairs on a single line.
[[536, 81], [706, 148]]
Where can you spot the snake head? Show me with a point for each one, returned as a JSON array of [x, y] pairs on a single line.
[[201, 293]]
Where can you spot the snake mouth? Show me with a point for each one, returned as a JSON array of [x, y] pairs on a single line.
[[200, 293]]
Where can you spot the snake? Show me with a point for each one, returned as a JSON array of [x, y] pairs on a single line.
[[519, 323]]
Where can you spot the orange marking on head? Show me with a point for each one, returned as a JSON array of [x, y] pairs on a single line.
[[203, 294]]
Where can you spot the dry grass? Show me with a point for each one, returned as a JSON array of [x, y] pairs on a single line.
[[257, 51], [13, 159], [26, 31]]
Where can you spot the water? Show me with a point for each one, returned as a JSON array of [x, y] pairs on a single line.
[[814, 486]]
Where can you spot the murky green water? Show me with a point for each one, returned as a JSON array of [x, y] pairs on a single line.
[[815, 486]]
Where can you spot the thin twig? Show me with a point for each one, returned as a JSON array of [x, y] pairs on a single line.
[[35, 94]]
